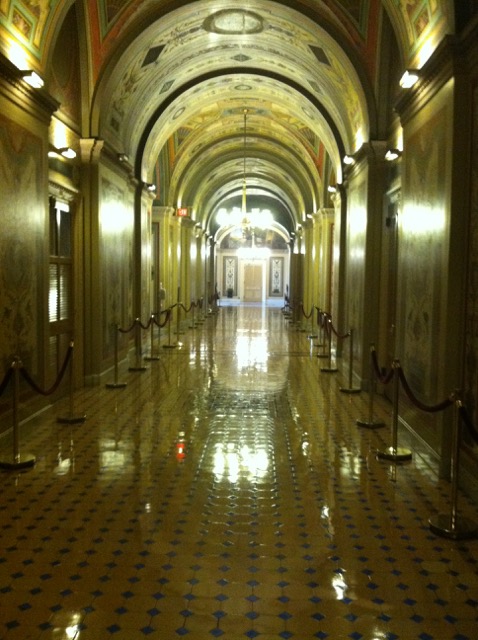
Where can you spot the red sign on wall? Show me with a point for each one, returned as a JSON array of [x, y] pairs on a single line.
[[182, 212]]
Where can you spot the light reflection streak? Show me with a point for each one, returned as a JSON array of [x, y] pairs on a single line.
[[232, 465], [340, 587], [251, 352]]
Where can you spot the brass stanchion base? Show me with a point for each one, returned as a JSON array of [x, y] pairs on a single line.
[[138, 368], [149, 358], [370, 425], [459, 529], [398, 455], [22, 461], [71, 419], [116, 385], [329, 370], [350, 390]]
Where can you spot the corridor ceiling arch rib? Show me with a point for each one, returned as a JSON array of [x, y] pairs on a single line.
[[195, 41], [278, 158], [284, 110]]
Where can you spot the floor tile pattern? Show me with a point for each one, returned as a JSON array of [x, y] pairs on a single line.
[[227, 492]]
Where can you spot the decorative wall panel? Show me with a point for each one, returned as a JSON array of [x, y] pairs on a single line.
[[22, 232], [116, 260], [276, 271], [423, 243], [230, 275]]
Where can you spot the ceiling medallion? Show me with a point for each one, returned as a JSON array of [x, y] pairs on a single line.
[[234, 22]]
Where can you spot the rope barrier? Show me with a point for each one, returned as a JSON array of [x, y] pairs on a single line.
[[440, 406], [371, 423], [47, 392], [16, 370], [447, 525]]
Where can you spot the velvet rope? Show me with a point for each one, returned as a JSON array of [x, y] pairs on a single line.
[[440, 406], [144, 326], [190, 307], [47, 392], [166, 320], [6, 380], [306, 316], [469, 424], [384, 379], [342, 336], [130, 328]]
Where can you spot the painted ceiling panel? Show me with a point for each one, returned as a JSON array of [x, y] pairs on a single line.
[[197, 45], [170, 81]]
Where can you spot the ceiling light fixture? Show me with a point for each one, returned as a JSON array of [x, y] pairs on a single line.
[[123, 157], [32, 78], [65, 152], [348, 159], [409, 78], [392, 154], [244, 186], [150, 187], [331, 188]]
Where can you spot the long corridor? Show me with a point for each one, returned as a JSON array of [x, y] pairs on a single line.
[[227, 492]]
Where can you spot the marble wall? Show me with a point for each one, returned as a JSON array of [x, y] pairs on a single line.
[[23, 245], [355, 307], [116, 247], [471, 331], [423, 264]]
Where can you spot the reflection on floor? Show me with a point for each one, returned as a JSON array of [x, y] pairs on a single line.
[[227, 492]]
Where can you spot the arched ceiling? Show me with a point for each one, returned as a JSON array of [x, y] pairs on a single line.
[[167, 83], [181, 87]]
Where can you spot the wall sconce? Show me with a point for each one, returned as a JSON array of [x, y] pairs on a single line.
[[150, 187], [123, 157], [331, 188], [65, 152], [348, 159], [409, 78], [392, 154], [32, 78]]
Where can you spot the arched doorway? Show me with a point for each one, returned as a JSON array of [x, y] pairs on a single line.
[[252, 264]]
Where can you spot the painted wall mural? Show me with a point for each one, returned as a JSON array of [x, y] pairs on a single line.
[[116, 233], [423, 242], [356, 238], [21, 244], [471, 338]]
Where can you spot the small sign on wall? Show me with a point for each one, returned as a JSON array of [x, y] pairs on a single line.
[[182, 212]]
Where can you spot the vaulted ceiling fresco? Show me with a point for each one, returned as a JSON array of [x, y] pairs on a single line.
[[169, 83]]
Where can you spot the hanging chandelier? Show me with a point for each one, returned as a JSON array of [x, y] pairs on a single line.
[[246, 223]]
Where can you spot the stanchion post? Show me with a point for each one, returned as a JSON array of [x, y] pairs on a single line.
[[193, 322], [71, 418], [151, 348], [452, 525], [18, 461], [351, 388], [116, 384], [395, 453], [169, 345], [312, 335], [371, 423], [137, 338], [322, 344], [330, 368]]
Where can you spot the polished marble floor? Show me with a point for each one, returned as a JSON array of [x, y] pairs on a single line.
[[227, 492]]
